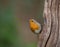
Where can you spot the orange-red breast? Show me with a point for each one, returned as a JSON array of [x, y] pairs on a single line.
[[35, 26]]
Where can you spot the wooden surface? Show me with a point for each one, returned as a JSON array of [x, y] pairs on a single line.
[[50, 36]]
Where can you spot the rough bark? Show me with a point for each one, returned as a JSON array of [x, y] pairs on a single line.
[[50, 35]]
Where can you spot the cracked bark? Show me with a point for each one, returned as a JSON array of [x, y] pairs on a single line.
[[50, 35]]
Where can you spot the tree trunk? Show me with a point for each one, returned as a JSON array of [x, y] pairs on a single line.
[[50, 35]]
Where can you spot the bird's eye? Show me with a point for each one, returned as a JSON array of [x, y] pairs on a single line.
[[32, 21]]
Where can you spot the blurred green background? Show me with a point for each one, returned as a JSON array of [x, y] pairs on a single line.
[[14, 22]]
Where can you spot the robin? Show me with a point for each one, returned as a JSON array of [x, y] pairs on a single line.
[[35, 26]]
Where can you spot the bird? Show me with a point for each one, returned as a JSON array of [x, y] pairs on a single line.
[[35, 26]]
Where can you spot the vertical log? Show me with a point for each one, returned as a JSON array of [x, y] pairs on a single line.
[[50, 35]]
